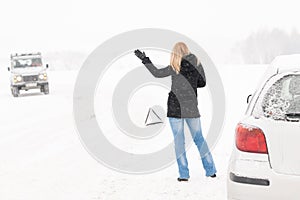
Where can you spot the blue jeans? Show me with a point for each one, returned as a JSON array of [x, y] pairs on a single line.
[[194, 124]]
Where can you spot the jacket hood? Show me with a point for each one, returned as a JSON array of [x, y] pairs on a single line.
[[189, 59]]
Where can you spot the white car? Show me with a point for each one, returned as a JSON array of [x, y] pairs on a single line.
[[265, 163], [28, 72]]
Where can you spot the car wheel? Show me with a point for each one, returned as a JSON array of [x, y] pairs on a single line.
[[15, 91], [46, 89]]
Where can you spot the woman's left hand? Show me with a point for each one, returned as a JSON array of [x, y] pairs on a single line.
[[139, 54]]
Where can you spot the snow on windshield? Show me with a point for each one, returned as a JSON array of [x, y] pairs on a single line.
[[31, 62], [280, 98]]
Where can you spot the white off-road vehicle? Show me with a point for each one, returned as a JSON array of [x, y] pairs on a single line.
[[28, 72]]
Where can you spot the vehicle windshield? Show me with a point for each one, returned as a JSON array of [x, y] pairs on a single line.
[[29, 62], [281, 100]]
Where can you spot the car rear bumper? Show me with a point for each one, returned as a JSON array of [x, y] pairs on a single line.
[[248, 180]]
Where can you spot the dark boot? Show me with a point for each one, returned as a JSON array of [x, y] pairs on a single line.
[[182, 179]]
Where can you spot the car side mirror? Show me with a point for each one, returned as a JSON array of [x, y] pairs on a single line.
[[47, 66], [8, 69], [249, 98]]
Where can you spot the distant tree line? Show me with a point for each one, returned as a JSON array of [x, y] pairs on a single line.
[[264, 45]]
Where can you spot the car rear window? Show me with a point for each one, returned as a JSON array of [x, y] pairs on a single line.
[[280, 99]]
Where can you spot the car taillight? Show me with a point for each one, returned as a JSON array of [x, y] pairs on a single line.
[[250, 139]]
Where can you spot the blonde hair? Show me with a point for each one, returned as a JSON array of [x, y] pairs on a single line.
[[180, 49]]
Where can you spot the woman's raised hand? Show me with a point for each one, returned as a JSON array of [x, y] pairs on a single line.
[[139, 54]]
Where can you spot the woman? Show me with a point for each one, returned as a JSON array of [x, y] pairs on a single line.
[[187, 75]]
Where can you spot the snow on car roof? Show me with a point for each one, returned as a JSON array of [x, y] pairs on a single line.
[[281, 64], [25, 55], [286, 63]]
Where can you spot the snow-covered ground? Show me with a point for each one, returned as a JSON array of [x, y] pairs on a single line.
[[41, 156]]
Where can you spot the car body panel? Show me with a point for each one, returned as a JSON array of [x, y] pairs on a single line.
[[283, 143]]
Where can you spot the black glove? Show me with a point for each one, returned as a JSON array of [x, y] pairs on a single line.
[[142, 56], [139, 54]]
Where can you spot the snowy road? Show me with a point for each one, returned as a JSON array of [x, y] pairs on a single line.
[[41, 156]]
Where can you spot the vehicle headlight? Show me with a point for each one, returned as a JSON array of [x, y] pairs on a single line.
[[17, 78], [43, 76]]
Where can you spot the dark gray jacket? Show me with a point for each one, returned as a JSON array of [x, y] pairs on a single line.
[[182, 101]]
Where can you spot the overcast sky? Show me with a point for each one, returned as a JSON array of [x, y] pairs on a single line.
[[73, 25]]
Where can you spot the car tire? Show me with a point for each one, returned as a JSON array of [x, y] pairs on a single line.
[[15, 91], [45, 89]]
